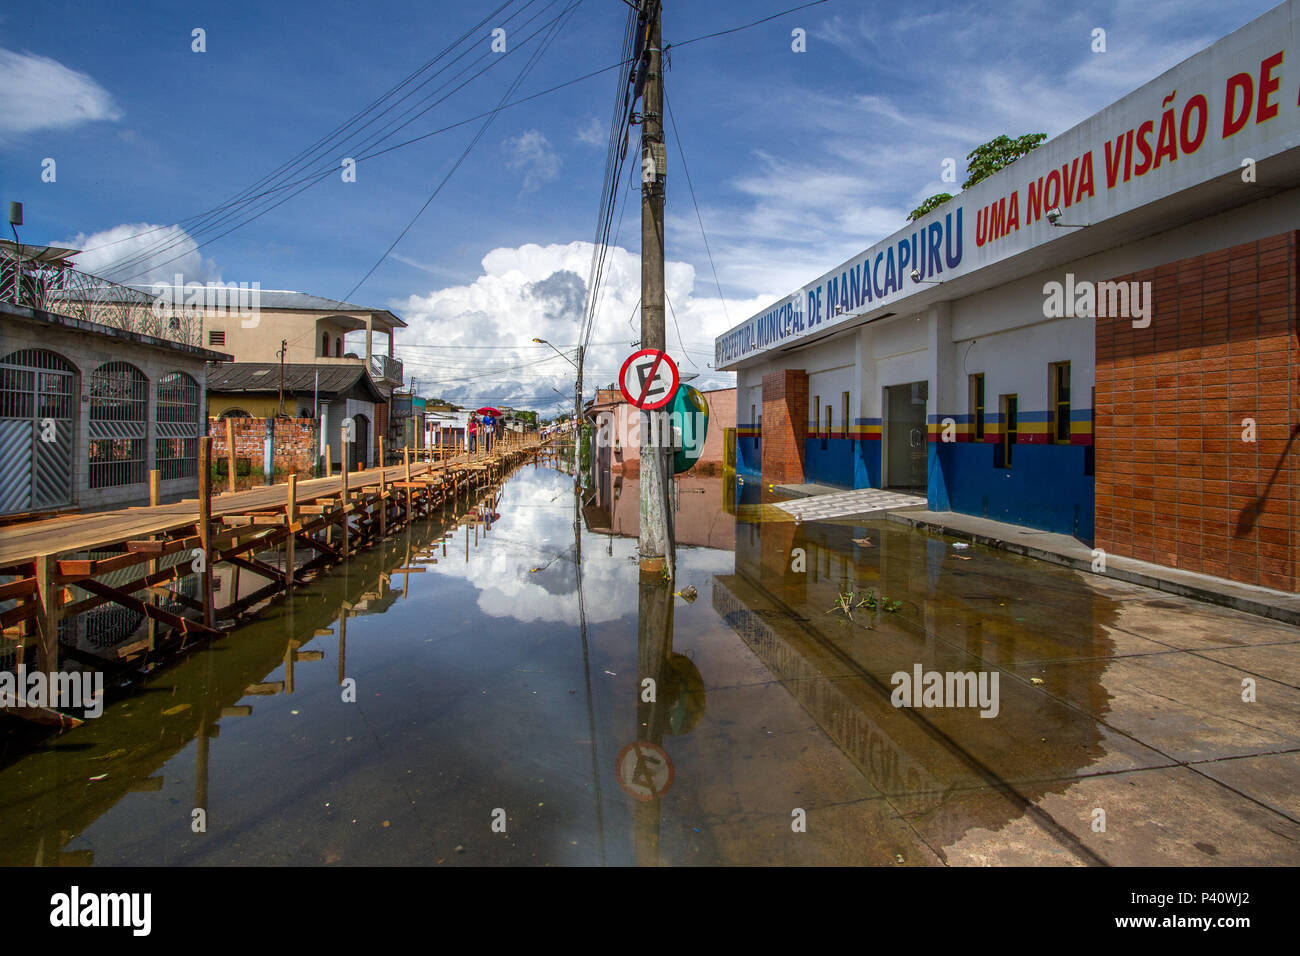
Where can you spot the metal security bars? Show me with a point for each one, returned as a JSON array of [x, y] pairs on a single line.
[[176, 443], [37, 400], [65, 291], [119, 402]]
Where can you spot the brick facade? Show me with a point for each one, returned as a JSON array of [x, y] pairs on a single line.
[[295, 448], [785, 425], [1176, 483]]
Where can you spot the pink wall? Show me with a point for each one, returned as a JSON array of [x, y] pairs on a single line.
[[722, 414]]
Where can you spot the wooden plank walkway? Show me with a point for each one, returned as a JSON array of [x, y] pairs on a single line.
[[54, 576], [69, 534]]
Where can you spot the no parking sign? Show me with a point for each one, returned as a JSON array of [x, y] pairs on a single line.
[[649, 379]]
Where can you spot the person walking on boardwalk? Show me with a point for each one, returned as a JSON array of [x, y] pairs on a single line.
[[472, 428], [489, 424]]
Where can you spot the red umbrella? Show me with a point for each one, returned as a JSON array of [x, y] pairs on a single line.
[[489, 410]]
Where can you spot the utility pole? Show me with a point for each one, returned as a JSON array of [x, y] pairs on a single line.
[[656, 544], [283, 346], [577, 419]]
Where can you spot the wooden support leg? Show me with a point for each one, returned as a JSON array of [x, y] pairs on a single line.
[[47, 593], [291, 513], [155, 499], [205, 524]]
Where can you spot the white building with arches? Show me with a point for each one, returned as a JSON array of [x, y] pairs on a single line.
[[93, 396]]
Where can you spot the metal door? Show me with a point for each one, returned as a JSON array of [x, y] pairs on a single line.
[[38, 392], [907, 448]]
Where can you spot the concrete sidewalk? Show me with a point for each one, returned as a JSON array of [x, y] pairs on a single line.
[[1072, 553]]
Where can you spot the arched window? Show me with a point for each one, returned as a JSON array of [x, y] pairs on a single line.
[[119, 405], [325, 344], [338, 347], [234, 413], [176, 442]]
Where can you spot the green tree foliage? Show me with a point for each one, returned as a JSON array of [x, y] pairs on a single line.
[[936, 200], [983, 161]]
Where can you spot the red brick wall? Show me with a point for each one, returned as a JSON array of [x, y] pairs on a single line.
[[296, 447], [1176, 483], [785, 425]]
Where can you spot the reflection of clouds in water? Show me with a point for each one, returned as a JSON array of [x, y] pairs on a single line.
[[532, 532]]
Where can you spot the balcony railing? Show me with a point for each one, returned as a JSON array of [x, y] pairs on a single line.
[[79, 295], [384, 368]]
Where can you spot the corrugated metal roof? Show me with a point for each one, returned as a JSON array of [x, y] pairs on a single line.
[[298, 379], [287, 299]]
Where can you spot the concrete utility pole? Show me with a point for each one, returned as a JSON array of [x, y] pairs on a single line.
[[577, 418], [656, 544]]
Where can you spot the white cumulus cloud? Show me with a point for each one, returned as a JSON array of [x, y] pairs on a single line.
[[473, 343], [142, 253], [38, 93]]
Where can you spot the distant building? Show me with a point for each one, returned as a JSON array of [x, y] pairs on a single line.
[[312, 329], [96, 390], [615, 418], [328, 393]]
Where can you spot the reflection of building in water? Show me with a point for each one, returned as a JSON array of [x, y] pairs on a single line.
[[617, 432], [699, 517], [44, 813], [789, 576]]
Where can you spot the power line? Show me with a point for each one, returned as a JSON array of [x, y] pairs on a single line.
[[243, 197], [681, 152], [556, 25], [673, 312], [722, 33], [313, 178]]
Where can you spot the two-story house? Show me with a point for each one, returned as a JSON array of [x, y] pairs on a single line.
[[319, 333]]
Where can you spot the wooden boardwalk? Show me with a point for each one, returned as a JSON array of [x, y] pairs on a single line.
[[67, 565]]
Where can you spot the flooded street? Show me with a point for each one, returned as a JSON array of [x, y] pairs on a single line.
[[521, 699]]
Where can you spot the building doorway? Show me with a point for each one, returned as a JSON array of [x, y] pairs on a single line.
[[906, 442], [361, 447]]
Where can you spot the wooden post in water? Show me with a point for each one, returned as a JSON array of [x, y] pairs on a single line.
[[345, 463], [47, 592], [155, 499], [230, 454], [291, 516], [205, 523], [406, 458], [383, 492]]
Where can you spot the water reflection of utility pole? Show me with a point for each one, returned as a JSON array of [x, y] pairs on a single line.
[[343, 645], [586, 673], [202, 744], [649, 776]]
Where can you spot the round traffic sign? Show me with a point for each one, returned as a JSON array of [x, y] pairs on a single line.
[[649, 379], [644, 770]]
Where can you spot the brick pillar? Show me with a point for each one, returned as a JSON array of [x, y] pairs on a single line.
[[785, 425]]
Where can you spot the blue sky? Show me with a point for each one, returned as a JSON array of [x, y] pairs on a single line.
[[798, 160]]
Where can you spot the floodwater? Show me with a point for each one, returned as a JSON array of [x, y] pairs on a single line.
[[501, 689]]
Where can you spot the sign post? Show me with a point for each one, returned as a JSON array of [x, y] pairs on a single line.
[[648, 380]]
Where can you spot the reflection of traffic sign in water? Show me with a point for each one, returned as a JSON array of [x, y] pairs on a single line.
[[649, 379], [644, 770]]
